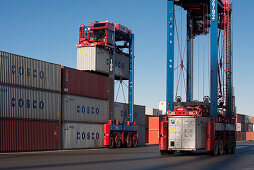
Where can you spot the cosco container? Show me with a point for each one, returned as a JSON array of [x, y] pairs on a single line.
[[82, 135], [84, 109], [83, 83], [121, 112], [97, 60], [26, 135], [28, 72], [22, 103]]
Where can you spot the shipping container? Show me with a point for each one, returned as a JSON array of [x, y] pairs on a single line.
[[97, 59], [154, 123], [247, 119], [243, 127], [238, 136], [26, 135], [82, 135], [162, 107], [25, 103], [84, 109], [153, 136], [238, 127], [250, 136], [250, 127], [141, 135], [147, 135], [153, 112], [121, 112], [28, 72], [83, 83], [147, 121], [252, 120]]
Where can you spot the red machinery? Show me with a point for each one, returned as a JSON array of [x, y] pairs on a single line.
[[115, 38]]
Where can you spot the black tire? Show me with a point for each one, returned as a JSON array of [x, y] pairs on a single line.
[[111, 143], [129, 142], [228, 146], [164, 152], [216, 148], [135, 142], [233, 146], [221, 147], [118, 142]]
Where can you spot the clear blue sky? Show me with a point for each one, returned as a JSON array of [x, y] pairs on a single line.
[[48, 30]]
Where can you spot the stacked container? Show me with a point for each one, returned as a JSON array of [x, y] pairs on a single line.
[[152, 128], [244, 127], [30, 104], [84, 108], [153, 112]]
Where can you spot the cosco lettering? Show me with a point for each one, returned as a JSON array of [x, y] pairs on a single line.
[[21, 71], [27, 103]]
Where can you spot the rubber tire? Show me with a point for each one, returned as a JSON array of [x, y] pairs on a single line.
[[129, 142], [111, 143], [233, 144], [221, 147], [229, 146], [118, 142], [164, 152], [216, 148], [135, 142]]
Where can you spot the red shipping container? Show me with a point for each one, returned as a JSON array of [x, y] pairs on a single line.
[[153, 137], [83, 83], [146, 135], [27, 135], [238, 136], [154, 123], [252, 120], [250, 136]]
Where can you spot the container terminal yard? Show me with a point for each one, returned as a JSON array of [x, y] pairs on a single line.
[[107, 110]]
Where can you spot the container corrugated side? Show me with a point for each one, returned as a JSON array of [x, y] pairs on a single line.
[[26, 135], [84, 109], [28, 72], [154, 123], [97, 59], [82, 135], [121, 112], [141, 135], [83, 83], [25, 103]]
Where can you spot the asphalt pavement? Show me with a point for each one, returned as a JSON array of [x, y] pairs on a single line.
[[129, 158]]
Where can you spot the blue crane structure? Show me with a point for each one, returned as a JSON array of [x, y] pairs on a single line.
[[203, 17]]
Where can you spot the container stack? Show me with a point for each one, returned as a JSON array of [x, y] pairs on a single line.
[[244, 127], [30, 104], [153, 112], [84, 108], [152, 128], [121, 113]]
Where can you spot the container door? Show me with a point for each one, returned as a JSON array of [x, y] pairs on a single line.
[[175, 133]]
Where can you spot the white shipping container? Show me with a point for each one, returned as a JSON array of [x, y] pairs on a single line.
[[97, 59], [121, 112], [28, 72], [162, 107], [82, 135], [25, 103], [84, 109], [238, 127], [153, 112]]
